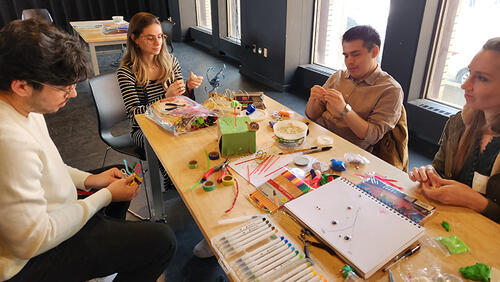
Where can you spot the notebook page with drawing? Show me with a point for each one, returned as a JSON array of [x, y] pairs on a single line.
[[363, 231]]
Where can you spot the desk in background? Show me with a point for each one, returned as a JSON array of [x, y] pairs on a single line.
[[207, 208], [91, 33]]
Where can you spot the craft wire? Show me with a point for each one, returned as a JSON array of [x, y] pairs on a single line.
[[126, 167], [275, 170], [208, 167], [237, 192], [266, 162], [275, 160]]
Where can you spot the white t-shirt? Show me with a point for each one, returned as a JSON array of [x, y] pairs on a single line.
[[38, 200]]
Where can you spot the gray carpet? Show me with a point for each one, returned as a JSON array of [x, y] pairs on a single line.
[[74, 130]]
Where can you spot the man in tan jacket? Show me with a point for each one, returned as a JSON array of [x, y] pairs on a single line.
[[363, 103]]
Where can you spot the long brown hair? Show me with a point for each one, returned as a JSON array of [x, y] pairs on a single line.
[[163, 60], [475, 121]]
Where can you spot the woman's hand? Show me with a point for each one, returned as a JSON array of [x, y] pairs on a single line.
[[103, 179], [176, 88], [123, 190], [422, 173], [451, 192], [194, 81]]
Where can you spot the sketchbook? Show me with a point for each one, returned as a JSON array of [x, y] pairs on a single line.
[[403, 203], [363, 231]]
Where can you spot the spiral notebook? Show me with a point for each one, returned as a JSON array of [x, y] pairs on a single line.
[[362, 230]]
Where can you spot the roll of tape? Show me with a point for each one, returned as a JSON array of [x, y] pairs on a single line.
[[193, 164], [213, 156], [227, 180], [209, 185]]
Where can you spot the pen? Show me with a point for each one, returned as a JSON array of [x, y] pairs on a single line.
[[391, 278], [404, 255], [307, 150]]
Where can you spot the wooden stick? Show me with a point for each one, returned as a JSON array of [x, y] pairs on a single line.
[[246, 161], [275, 160]]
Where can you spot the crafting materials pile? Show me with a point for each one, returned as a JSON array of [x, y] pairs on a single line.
[[180, 115]]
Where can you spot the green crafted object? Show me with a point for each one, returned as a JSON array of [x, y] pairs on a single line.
[[454, 244], [446, 226], [477, 272], [236, 138]]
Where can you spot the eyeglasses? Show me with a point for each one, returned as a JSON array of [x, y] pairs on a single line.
[[152, 38], [66, 92]]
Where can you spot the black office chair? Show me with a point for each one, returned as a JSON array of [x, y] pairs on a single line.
[[42, 14], [110, 111], [168, 29]]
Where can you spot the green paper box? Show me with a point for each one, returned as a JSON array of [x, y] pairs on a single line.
[[236, 139]]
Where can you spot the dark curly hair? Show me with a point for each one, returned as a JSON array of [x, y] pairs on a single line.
[[366, 33], [38, 50]]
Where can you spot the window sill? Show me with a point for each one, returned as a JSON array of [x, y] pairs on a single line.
[[232, 40], [202, 29], [435, 107]]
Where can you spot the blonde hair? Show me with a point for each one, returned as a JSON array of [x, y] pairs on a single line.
[[164, 60], [475, 121]]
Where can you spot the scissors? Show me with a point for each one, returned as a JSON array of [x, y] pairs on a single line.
[[222, 167]]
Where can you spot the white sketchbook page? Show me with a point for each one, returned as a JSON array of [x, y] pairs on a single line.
[[376, 234], [260, 176]]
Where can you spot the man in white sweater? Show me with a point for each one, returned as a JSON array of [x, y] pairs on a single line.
[[46, 233]]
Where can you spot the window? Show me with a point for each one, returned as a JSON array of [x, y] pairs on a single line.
[[203, 14], [334, 17], [464, 26], [233, 19]]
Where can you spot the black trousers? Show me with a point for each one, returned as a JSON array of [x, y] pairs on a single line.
[[137, 251]]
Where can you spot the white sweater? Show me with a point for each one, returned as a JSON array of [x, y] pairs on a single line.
[[38, 201]]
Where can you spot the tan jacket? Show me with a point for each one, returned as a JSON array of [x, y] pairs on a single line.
[[393, 148], [445, 157]]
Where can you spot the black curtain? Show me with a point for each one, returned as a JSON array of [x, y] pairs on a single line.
[[64, 11]]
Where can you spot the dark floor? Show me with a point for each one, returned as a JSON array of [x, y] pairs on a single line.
[[75, 132]]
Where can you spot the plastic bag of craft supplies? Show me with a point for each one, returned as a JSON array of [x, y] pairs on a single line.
[[179, 115]]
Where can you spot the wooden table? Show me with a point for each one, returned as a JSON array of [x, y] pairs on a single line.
[[91, 33], [479, 233]]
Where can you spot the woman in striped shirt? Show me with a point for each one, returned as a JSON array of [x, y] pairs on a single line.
[[149, 73]]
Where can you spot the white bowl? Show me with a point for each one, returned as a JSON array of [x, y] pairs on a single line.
[[290, 133]]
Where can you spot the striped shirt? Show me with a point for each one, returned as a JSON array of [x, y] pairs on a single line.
[[137, 97]]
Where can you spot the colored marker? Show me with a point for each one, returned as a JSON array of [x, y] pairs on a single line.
[[257, 239], [258, 261], [249, 237], [248, 225], [245, 234], [299, 274], [276, 263], [282, 269], [307, 277], [294, 271], [262, 248], [250, 260], [238, 219]]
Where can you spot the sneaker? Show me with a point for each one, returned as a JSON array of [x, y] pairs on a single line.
[[202, 250]]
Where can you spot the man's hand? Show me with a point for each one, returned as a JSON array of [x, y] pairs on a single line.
[[176, 88], [123, 189], [318, 93], [335, 102], [103, 179], [194, 81]]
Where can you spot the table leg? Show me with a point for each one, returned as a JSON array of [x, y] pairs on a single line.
[[93, 58], [157, 210]]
